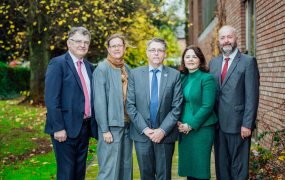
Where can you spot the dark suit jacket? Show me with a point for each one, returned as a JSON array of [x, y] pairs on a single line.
[[64, 97], [237, 98], [169, 103]]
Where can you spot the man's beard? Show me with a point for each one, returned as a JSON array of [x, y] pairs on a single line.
[[230, 50]]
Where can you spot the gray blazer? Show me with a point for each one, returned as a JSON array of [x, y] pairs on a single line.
[[237, 98], [169, 103], [108, 96]]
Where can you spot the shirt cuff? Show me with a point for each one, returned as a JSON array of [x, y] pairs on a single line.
[[144, 129], [163, 131]]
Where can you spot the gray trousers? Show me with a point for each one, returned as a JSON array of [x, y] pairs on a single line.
[[231, 156], [155, 160], [115, 159]]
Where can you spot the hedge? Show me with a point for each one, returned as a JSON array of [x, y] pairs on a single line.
[[13, 80]]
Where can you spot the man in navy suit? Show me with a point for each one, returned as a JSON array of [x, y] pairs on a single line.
[[69, 102]]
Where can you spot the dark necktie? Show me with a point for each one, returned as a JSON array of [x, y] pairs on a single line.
[[225, 69], [154, 98]]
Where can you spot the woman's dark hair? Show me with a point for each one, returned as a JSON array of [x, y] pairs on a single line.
[[203, 67]]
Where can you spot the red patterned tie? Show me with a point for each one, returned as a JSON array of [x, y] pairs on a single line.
[[225, 69], [86, 95]]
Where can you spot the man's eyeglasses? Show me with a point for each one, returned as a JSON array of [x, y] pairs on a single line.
[[154, 51], [116, 46], [78, 42]]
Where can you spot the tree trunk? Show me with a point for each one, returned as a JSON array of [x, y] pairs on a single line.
[[39, 54], [39, 59]]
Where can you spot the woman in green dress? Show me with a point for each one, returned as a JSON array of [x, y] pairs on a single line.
[[197, 122]]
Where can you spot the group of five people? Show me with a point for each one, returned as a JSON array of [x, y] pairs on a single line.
[[153, 106]]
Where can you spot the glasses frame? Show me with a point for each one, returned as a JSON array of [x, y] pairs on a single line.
[[116, 46], [154, 51], [79, 42]]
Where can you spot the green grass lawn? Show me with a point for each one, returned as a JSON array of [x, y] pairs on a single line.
[[25, 151]]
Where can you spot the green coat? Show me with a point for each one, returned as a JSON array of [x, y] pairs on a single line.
[[199, 92], [204, 89]]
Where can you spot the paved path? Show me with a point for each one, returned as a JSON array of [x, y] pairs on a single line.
[[93, 168]]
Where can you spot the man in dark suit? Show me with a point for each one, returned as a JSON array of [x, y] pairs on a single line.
[[69, 102], [154, 104], [237, 97]]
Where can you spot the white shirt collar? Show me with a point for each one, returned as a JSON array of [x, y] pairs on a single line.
[[151, 68], [232, 56], [74, 58]]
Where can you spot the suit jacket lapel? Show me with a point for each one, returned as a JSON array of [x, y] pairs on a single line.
[[72, 67], [220, 63], [145, 79], [231, 69], [163, 81]]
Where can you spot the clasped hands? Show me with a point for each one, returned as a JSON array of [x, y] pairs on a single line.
[[155, 135], [184, 128]]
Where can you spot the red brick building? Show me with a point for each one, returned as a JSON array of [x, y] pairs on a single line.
[[260, 26]]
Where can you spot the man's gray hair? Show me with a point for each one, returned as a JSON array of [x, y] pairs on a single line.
[[156, 39], [81, 30], [228, 26]]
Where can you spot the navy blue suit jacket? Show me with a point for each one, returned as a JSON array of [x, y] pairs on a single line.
[[64, 97]]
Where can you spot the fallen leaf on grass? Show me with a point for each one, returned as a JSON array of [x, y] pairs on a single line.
[[32, 160], [36, 161], [5, 158], [34, 138], [43, 152], [31, 154], [34, 172], [94, 165], [45, 163], [18, 119]]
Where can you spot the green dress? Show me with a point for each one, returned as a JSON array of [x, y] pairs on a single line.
[[194, 149]]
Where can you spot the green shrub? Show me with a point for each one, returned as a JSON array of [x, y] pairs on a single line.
[[13, 80]]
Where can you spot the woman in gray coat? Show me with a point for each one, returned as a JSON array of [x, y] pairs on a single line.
[[110, 80]]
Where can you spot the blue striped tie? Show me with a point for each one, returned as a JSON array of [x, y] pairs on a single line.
[[154, 98]]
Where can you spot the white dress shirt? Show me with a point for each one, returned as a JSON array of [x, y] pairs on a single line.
[[85, 76], [158, 76], [232, 56]]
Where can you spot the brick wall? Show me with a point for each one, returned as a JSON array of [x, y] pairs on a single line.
[[235, 12], [270, 27], [206, 47], [270, 54]]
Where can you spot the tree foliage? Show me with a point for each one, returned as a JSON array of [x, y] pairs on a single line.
[[37, 30]]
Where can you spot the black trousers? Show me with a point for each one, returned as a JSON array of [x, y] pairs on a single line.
[[71, 155], [191, 178], [231, 156]]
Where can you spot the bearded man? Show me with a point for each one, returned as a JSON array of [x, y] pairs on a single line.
[[236, 104]]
